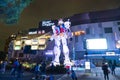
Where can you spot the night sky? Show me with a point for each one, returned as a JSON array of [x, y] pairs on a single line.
[[52, 9]]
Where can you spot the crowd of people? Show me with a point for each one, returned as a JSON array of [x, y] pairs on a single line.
[[39, 70], [17, 70], [107, 69]]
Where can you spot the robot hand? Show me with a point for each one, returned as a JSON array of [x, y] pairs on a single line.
[[71, 39], [51, 38]]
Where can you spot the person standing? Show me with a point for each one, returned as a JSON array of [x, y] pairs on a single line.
[[105, 71], [52, 68], [20, 71], [113, 69], [37, 71], [73, 75], [15, 67], [43, 68], [4, 63]]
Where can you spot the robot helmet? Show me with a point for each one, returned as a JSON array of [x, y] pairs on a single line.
[[60, 21]]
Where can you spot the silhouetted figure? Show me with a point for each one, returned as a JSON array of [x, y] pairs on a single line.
[[15, 67], [52, 68], [3, 66], [73, 75], [37, 71], [113, 69], [51, 77], [105, 71], [20, 71], [43, 68]]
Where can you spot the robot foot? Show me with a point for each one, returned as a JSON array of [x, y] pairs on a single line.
[[55, 63], [67, 63]]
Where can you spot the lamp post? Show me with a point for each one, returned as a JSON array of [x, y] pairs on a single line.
[[73, 48], [73, 53], [76, 34], [85, 47]]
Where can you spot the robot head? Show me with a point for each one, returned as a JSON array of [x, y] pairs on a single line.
[[67, 24], [60, 21]]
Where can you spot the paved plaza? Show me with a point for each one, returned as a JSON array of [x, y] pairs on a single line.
[[95, 74]]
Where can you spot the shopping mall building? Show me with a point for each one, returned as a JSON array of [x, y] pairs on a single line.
[[100, 41]]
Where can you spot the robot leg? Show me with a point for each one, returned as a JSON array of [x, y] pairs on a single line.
[[66, 52], [57, 52]]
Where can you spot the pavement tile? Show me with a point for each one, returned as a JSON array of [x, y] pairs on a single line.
[[95, 74]]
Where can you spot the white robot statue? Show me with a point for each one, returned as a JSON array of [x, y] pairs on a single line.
[[61, 33]]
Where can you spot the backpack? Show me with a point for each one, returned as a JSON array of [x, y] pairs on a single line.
[[37, 68]]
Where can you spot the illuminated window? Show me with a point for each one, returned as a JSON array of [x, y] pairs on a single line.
[[42, 47], [119, 28], [34, 47], [18, 42], [42, 41], [118, 23], [17, 47]]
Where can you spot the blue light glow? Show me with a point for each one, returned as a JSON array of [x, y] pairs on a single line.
[[96, 43]]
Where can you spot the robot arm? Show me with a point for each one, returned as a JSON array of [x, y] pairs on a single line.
[[55, 31], [68, 31]]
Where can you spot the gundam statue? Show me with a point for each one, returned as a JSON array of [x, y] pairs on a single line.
[[61, 33]]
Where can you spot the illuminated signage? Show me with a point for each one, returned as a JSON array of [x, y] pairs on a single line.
[[42, 41], [97, 43], [17, 42], [42, 47], [32, 32], [34, 41], [24, 37], [34, 47], [28, 42], [87, 65], [41, 31], [17, 47], [77, 33], [37, 32], [49, 52], [47, 23], [110, 53]]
